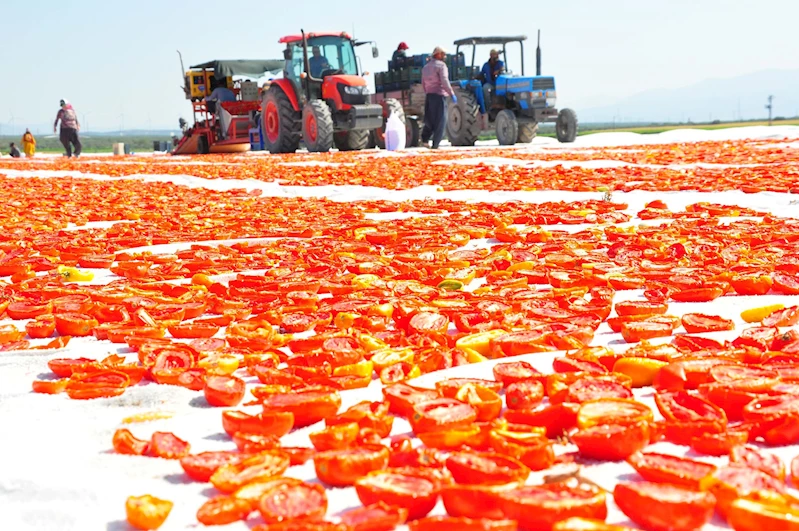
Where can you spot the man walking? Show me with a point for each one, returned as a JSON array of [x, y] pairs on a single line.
[[435, 82], [69, 128]]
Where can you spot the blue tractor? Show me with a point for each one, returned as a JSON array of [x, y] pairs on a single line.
[[514, 104]]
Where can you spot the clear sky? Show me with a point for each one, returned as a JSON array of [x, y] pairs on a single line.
[[116, 61]]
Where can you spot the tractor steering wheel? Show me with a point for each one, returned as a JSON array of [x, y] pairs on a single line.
[[330, 72]]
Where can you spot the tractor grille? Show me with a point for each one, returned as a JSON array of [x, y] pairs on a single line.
[[544, 83]]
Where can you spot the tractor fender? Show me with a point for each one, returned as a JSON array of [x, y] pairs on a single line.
[[290, 90], [475, 87]]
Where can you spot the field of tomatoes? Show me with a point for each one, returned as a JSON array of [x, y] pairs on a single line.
[[180, 356]]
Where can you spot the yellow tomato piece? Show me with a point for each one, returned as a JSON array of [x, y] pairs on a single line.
[[581, 213], [364, 281], [755, 315], [391, 356], [362, 368], [472, 356], [147, 417], [386, 310], [360, 233], [371, 343], [478, 342], [641, 370], [522, 266], [345, 320], [201, 279], [448, 439], [73, 274]]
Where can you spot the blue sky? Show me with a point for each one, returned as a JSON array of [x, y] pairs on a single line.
[[116, 61]]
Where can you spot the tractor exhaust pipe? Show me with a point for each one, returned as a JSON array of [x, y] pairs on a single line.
[[186, 88], [538, 55]]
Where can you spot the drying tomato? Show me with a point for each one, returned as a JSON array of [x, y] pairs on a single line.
[[147, 512], [752, 515], [368, 415], [640, 307], [98, 384], [252, 492], [555, 419], [168, 446], [309, 405], [758, 459], [64, 367], [193, 379], [277, 423], [232, 476], [224, 391], [335, 437], [450, 387], [541, 506], [417, 494], [474, 501], [74, 324], [587, 524], [485, 468], [612, 442], [661, 506], [697, 294], [718, 444], [534, 450], [41, 327], [612, 411], [252, 443], [193, 330], [28, 310], [730, 483], [452, 523], [697, 322], [428, 322], [125, 443], [663, 468], [50, 387], [684, 407], [402, 398], [293, 503], [636, 331], [486, 403], [441, 414], [200, 467], [377, 517], [523, 394], [223, 510], [343, 467], [515, 371], [590, 388]]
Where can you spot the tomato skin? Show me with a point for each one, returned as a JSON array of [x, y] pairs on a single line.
[[757, 459], [223, 510], [663, 468], [166, 445], [41, 327], [74, 324], [611, 442], [126, 444], [452, 523], [730, 483], [276, 423], [147, 512], [224, 391], [660, 507], [474, 501], [417, 494], [482, 468], [200, 467], [541, 506], [340, 468], [293, 503], [309, 405], [50, 387], [751, 515], [698, 323], [232, 476]]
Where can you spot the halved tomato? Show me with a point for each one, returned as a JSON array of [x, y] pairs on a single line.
[[730, 483], [224, 391], [758, 459], [475, 501], [533, 450], [684, 407], [376, 517], [664, 468], [223, 510], [233, 476], [612, 411], [168, 446], [523, 394], [275, 423], [309, 405], [293, 503], [415, 493], [402, 398], [75, 324], [612, 442], [341, 468], [515, 371], [441, 414], [697, 322], [661, 506], [752, 515], [453, 523], [125, 443], [541, 506], [478, 468], [200, 467]]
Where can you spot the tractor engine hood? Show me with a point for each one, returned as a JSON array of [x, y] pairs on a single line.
[[352, 90]]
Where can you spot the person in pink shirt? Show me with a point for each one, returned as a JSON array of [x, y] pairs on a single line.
[[69, 128], [435, 82]]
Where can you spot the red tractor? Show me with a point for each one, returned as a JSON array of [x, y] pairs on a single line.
[[321, 98]]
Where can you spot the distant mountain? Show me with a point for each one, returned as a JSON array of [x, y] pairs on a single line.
[[738, 98]]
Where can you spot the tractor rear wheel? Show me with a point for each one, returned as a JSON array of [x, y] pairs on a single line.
[[463, 120], [507, 128], [389, 105], [317, 126], [352, 140], [527, 132], [280, 123], [566, 126]]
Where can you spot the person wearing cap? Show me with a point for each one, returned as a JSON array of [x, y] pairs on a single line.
[[435, 82], [490, 72], [400, 56], [69, 128], [28, 143]]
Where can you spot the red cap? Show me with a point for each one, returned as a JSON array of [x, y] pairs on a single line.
[[402, 46]]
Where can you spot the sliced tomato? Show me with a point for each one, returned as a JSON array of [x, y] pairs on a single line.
[[200, 467], [533, 450], [449, 388], [611, 442], [293, 503], [664, 468], [336, 437], [612, 411], [556, 418], [730, 483], [147, 512], [224, 391], [416, 494], [589, 388], [541, 506], [74, 324], [485, 468], [50, 387], [752, 515], [515, 371], [309, 405], [684, 407], [125, 443], [661, 506], [263, 465], [636, 331], [474, 501], [441, 414], [342, 467], [452, 523], [277, 423], [376, 517], [758, 459], [523, 394], [697, 322], [168, 446], [223, 510], [402, 398]]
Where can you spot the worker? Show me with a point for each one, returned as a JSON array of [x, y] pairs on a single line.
[[28, 143], [221, 92], [436, 86], [13, 151], [69, 128], [490, 72], [400, 56], [317, 62], [220, 95]]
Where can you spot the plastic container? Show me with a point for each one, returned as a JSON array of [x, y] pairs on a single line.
[[395, 133]]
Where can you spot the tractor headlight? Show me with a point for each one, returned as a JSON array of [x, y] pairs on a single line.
[[537, 94], [551, 102], [355, 91]]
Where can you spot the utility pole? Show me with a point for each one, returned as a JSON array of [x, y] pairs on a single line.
[[770, 106]]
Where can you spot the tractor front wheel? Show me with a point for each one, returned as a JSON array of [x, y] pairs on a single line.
[[317, 126], [507, 128], [527, 132], [280, 123], [463, 120], [352, 140], [566, 126]]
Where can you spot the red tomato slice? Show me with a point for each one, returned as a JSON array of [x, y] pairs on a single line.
[[683, 407], [452, 523], [663, 468], [697, 322], [515, 371], [541, 506], [309, 405], [168, 446], [377, 517], [416, 494], [441, 414], [475, 468], [524, 394], [224, 391], [200, 467], [661, 506], [293, 503], [125, 443], [759, 460], [402, 398]]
